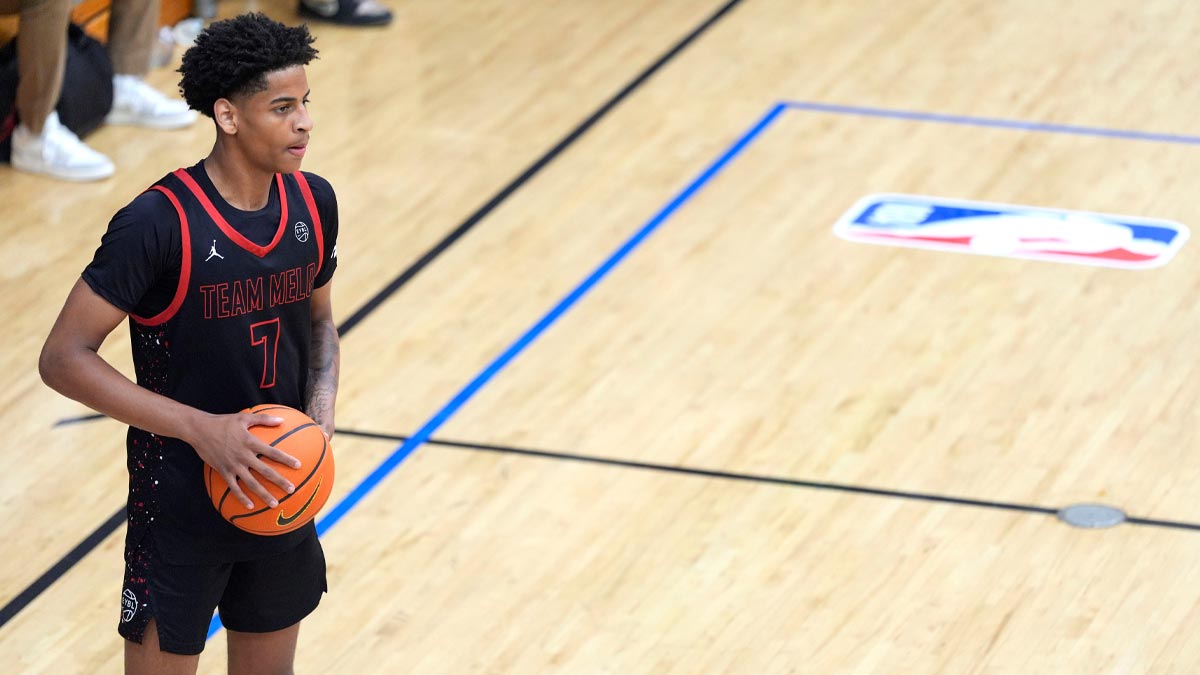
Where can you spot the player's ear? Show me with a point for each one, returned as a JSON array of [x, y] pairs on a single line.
[[225, 114]]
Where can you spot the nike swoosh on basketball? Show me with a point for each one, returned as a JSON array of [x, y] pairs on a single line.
[[282, 520]]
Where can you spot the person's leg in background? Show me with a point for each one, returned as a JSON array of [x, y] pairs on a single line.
[[346, 12], [40, 143], [42, 56], [133, 28]]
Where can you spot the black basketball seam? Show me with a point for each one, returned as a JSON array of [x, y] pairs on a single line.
[[261, 411], [302, 427], [260, 511], [320, 460], [224, 495]]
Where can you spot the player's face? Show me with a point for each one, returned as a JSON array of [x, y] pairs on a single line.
[[274, 124]]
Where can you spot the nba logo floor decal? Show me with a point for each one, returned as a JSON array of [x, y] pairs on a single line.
[[1005, 230]]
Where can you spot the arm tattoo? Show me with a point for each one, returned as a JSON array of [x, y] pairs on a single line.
[[323, 366]]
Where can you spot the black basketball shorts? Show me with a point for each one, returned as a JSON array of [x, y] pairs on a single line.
[[256, 596]]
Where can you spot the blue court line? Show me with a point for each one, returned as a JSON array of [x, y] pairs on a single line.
[[373, 479], [992, 122], [401, 453]]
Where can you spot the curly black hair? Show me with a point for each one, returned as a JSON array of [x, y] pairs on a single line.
[[233, 57]]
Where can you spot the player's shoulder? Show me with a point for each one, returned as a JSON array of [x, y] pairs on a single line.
[[324, 197], [318, 185], [149, 209]]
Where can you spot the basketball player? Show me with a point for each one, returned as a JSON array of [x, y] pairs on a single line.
[[223, 269]]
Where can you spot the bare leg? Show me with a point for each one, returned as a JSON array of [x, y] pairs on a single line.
[[263, 653], [148, 659]]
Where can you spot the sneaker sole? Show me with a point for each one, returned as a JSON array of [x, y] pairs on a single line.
[[179, 121], [76, 176]]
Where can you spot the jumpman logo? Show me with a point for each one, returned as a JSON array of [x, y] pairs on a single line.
[[213, 252]]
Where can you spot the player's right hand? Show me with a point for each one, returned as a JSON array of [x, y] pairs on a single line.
[[225, 443]]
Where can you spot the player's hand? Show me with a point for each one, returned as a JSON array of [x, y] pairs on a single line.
[[225, 444]]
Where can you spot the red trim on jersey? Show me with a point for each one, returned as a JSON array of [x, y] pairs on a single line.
[[185, 267], [312, 210], [235, 236]]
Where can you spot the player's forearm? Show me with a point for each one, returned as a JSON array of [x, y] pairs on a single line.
[[80, 374], [323, 366]]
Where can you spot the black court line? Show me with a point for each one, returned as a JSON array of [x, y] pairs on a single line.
[[1150, 522], [42, 583], [60, 568], [758, 478], [533, 169], [68, 421]]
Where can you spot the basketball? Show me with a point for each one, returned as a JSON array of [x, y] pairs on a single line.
[[301, 438]]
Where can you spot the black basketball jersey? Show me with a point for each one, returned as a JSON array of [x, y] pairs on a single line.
[[235, 333]]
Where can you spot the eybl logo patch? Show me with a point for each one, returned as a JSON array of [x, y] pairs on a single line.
[[1010, 231], [129, 605]]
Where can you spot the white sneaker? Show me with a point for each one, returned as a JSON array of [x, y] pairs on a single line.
[[135, 102], [58, 153]]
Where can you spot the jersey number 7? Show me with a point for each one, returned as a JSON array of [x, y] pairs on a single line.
[[266, 333]]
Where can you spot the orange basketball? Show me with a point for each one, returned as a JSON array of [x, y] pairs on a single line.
[[301, 438]]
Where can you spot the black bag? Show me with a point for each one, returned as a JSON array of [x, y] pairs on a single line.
[[87, 91], [8, 97]]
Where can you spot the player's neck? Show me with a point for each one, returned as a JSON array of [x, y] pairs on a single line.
[[242, 185]]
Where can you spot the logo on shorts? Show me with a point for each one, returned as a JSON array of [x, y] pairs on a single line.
[[301, 231], [129, 605]]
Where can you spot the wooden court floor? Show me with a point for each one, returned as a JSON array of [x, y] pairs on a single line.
[[614, 397]]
